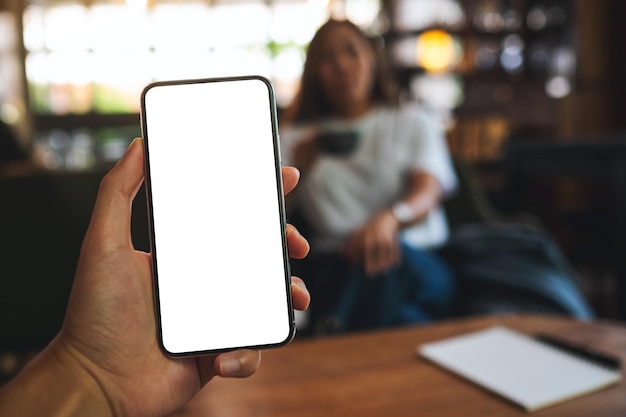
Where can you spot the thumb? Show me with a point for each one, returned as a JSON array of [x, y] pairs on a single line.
[[111, 217], [291, 176]]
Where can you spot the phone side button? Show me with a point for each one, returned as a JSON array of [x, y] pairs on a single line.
[[280, 155]]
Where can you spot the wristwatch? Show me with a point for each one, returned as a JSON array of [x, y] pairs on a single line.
[[402, 212]]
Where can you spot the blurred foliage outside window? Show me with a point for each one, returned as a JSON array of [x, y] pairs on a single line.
[[97, 58]]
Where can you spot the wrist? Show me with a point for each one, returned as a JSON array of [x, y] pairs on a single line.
[[61, 385], [390, 220], [68, 363]]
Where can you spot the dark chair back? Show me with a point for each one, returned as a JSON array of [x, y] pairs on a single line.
[[43, 219]]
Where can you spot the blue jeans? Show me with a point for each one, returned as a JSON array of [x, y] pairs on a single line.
[[343, 299]]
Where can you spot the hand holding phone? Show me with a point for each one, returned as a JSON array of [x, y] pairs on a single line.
[[208, 297]]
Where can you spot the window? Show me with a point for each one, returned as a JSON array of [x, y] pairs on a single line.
[[12, 106], [96, 59]]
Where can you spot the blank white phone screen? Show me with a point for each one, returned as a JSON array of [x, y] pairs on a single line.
[[218, 237]]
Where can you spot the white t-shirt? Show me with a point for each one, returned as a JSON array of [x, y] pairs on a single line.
[[339, 194]]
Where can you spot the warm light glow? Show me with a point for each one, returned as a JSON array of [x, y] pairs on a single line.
[[436, 51]]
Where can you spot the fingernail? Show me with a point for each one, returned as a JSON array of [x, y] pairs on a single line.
[[295, 230], [130, 146], [300, 284], [230, 366], [133, 142]]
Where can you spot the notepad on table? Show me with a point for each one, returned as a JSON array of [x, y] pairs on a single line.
[[518, 367]]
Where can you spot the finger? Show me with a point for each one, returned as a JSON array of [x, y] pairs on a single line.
[[296, 243], [237, 364], [291, 176], [110, 221], [300, 294], [379, 257], [372, 266], [395, 253], [389, 255], [372, 255], [385, 259]]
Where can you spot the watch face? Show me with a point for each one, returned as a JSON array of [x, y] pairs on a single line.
[[402, 212]]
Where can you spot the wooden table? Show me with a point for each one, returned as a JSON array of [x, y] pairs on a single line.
[[379, 374]]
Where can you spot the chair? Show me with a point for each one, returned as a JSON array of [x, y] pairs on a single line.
[[43, 219], [505, 263]]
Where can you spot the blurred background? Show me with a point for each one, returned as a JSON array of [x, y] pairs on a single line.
[[71, 71], [531, 91]]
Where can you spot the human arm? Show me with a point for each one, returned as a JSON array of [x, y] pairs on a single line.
[[428, 177], [375, 244], [106, 361]]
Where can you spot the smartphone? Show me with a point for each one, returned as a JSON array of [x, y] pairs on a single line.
[[216, 214]]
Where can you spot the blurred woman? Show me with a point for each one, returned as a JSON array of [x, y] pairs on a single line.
[[374, 172]]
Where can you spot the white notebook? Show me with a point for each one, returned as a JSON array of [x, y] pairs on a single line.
[[518, 367]]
